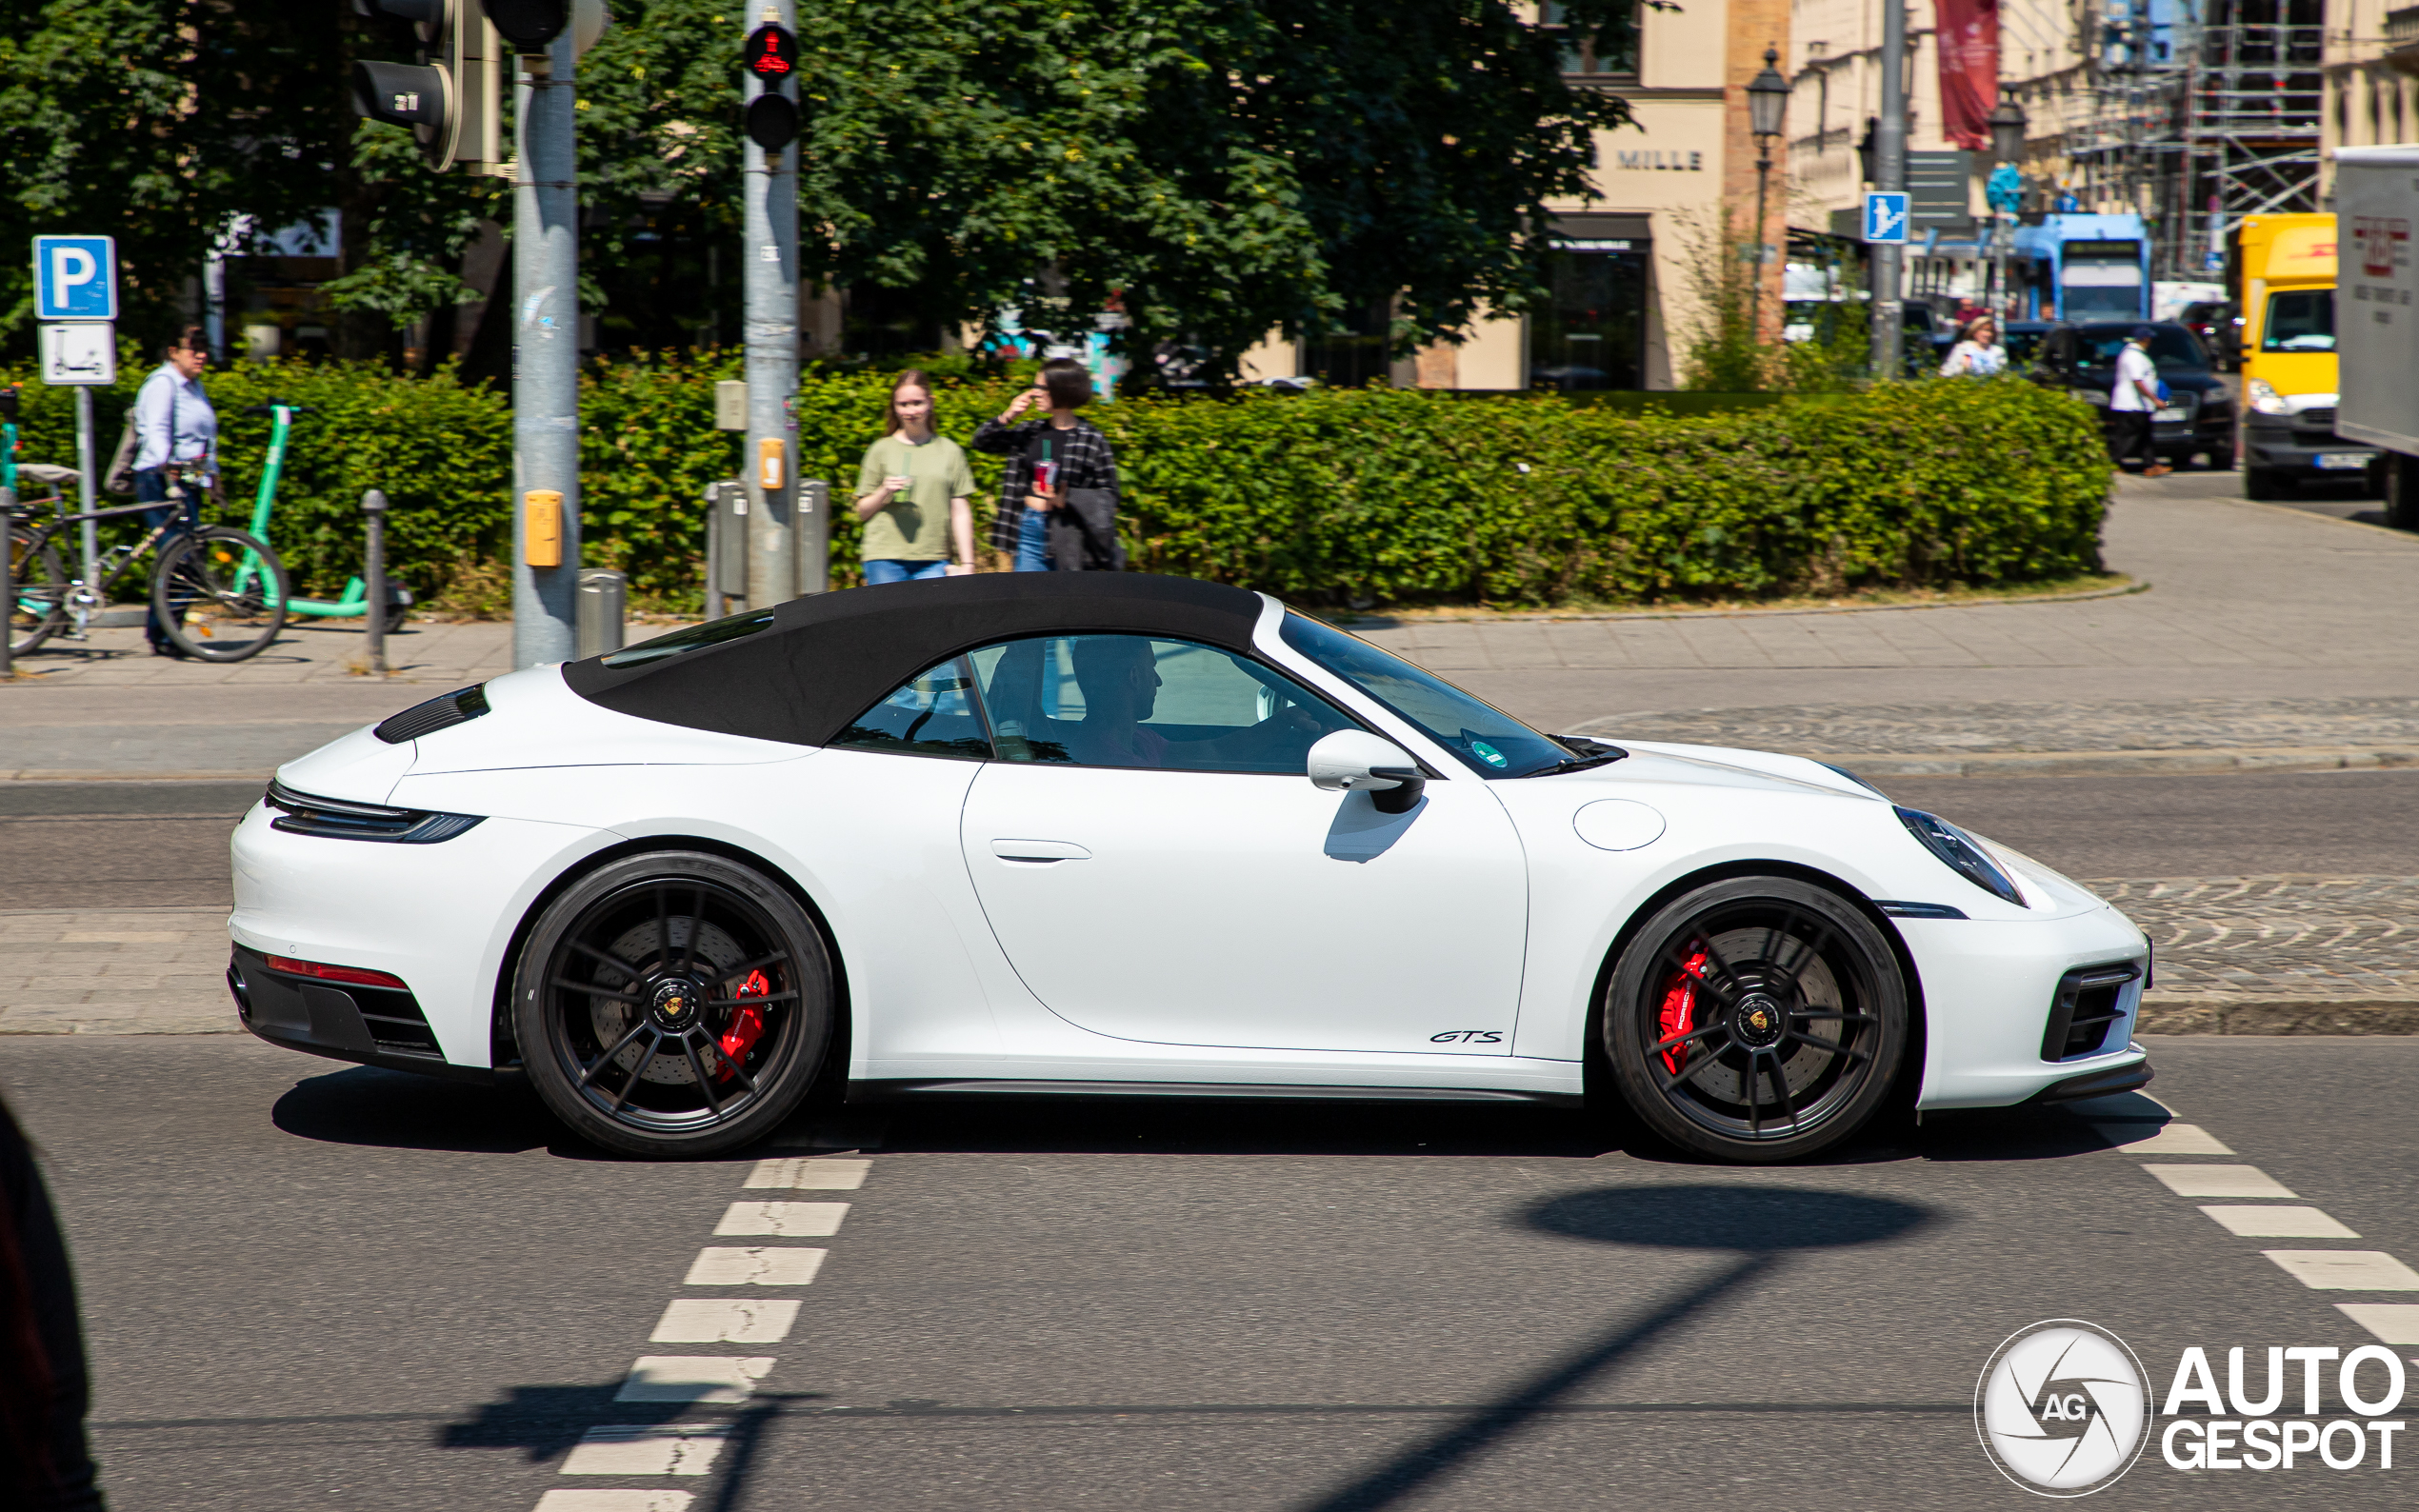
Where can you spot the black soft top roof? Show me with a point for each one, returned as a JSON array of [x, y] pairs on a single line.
[[825, 659]]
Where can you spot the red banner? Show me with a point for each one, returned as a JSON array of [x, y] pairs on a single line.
[[1968, 40]]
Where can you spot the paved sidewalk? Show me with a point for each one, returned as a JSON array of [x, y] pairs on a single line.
[[114, 971]]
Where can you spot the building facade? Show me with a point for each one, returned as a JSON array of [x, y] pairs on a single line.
[[1622, 279]]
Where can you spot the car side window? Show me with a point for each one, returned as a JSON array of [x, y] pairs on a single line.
[[931, 714], [1141, 702]]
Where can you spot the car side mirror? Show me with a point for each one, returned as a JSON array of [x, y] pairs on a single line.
[[1352, 760]]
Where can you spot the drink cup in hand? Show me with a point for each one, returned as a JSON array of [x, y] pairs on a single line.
[[1045, 476], [897, 484]]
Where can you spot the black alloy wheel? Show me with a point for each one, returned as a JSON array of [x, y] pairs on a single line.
[[1758, 1018], [220, 593], [38, 600], [673, 1005]]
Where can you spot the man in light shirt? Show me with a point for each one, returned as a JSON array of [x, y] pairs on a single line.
[[176, 435], [2132, 404]]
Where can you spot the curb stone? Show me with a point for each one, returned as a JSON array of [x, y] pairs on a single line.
[[1367, 621], [2128, 763], [2276, 1016]]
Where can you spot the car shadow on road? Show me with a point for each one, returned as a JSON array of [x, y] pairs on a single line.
[[1757, 1227], [547, 1423], [367, 1105]]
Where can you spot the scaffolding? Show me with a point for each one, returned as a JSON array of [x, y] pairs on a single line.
[[2203, 111]]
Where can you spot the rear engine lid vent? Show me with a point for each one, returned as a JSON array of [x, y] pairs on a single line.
[[2091, 1002], [459, 706]]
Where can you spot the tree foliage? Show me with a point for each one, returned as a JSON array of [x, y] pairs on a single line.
[[158, 122]]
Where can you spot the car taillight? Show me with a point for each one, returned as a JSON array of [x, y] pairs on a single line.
[[358, 976]]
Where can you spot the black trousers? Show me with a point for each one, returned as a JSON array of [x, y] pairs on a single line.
[[151, 486], [2129, 432]]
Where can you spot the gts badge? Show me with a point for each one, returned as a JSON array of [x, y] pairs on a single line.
[[1467, 1037]]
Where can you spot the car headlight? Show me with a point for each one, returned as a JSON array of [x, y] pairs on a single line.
[[2264, 398], [1962, 851]]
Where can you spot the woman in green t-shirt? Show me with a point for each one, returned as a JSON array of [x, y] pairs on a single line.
[[913, 493]]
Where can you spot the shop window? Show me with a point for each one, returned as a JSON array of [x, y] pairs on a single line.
[[1590, 332]]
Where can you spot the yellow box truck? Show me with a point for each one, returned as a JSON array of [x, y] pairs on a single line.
[[2284, 268]]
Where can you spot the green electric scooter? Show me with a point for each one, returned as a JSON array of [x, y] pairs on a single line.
[[356, 598]]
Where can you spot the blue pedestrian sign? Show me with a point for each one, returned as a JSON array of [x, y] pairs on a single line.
[[74, 278], [1887, 213]]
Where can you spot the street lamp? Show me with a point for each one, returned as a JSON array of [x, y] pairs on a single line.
[[1768, 100], [2005, 189]]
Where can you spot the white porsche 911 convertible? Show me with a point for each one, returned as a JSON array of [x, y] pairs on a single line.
[[1115, 833]]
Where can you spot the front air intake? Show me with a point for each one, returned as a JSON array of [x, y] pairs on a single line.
[[457, 708], [2090, 1000]]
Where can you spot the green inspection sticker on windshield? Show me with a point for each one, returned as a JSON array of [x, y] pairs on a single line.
[[1487, 753]]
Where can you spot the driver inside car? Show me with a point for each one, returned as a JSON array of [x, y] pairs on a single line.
[[1119, 676]]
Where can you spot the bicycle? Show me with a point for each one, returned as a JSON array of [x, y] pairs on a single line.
[[205, 581]]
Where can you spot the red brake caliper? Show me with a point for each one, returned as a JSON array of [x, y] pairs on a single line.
[[1679, 1010], [747, 1025]]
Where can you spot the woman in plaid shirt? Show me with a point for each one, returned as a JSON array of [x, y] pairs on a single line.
[[1046, 457]]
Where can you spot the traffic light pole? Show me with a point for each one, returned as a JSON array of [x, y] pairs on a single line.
[[1890, 174], [546, 356], [770, 258]]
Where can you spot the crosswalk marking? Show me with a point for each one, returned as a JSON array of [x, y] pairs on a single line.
[[2346, 1269], [797, 1220], [2219, 1180], [2279, 1223], [809, 1175], [628, 1448], [758, 1265], [726, 1320], [693, 1377]]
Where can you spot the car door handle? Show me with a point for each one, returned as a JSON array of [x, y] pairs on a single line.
[[1039, 850]]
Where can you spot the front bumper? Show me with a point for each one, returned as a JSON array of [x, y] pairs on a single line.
[[2294, 444], [1991, 993]]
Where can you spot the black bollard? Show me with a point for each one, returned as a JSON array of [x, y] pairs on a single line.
[[373, 579]]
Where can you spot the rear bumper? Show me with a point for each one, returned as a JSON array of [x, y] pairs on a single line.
[[320, 1018]]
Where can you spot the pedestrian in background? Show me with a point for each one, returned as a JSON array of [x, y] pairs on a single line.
[[2132, 402], [176, 444], [1061, 469], [44, 1466], [1977, 353], [914, 493]]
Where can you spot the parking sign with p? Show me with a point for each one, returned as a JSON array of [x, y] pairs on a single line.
[[74, 278]]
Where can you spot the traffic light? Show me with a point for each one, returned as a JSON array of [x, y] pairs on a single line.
[[771, 53], [447, 98]]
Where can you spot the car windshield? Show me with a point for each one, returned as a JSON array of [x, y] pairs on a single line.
[[2299, 320], [2171, 347], [2023, 345], [1489, 740]]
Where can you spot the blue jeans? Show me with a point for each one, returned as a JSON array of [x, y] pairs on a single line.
[[151, 486], [886, 569], [1032, 541]]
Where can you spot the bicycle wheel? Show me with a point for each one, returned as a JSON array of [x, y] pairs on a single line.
[[220, 593], [39, 604]]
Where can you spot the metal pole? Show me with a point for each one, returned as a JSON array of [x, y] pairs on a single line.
[[771, 261], [373, 577], [546, 355], [713, 551], [1890, 173], [92, 535], [1755, 291], [7, 576]]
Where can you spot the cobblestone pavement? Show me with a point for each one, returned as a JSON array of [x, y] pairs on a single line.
[[2175, 735], [2275, 954], [114, 971]]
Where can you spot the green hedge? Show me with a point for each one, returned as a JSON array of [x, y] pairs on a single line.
[[1362, 496]]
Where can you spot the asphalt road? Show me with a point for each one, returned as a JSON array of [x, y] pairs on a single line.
[[315, 1287], [120, 844]]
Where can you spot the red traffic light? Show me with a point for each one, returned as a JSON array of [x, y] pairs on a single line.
[[771, 53]]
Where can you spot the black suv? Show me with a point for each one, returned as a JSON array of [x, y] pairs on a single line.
[[2199, 415]]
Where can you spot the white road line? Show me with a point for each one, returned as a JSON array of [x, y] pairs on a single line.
[[594, 1499], [2279, 1223], [763, 1266], [693, 1377], [820, 1220], [726, 1320], [809, 1175], [2172, 1138], [2219, 1180], [625, 1448], [2346, 1269], [2393, 1323]]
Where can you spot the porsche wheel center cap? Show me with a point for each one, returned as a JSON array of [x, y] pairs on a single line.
[[1758, 1021], [675, 1002]]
